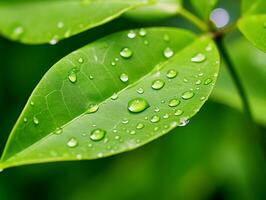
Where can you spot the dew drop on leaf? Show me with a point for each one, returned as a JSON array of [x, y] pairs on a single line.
[[72, 76], [53, 41], [131, 34], [157, 84], [125, 121], [114, 96], [97, 134], [168, 52], [140, 126], [171, 73], [80, 60], [174, 102], [72, 142], [178, 112], [142, 32], [18, 31], [207, 81], [126, 53], [124, 77], [137, 105], [166, 38], [198, 58], [183, 122], [35, 120], [155, 119], [92, 108], [146, 42], [60, 24], [25, 120], [188, 95], [140, 90], [198, 82], [58, 131]]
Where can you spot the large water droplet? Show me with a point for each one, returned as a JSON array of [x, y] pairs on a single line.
[[92, 108], [174, 102], [137, 105], [97, 134], [188, 95], [158, 84], [155, 119], [126, 53], [168, 52], [72, 76], [124, 77], [198, 58], [131, 34], [35, 120], [171, 73], [72, 142]]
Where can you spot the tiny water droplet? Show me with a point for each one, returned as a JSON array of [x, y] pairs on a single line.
[[140, 126], [53, 41], [183, 122], [32, 103], [155, 119], [124, 77], [174, 102], [117, 137], [142, 32], [198, 58], [158, 84], [207, 81], [146, 42], [171, 73], [25, 119], [157, 109], [168, 52], [72, 142], [91, 77], [114, 96], [18, 31], [80, 60], [166, 116], [209, 47], [125, 121], [131, 34], [178, 112], [67, 33], [202, 98], [97, 134], [137, 105], [132, 132], [126, 53], [58, 131], [188, 95], [140, 90], [72, 76], [99, 155], [35, 120], [92, 108], [166, 38], [198, 82], [60, 24], [113, 63], [79, 156]]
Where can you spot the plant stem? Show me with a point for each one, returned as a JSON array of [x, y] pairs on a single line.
[[235, 77], [193, 19]]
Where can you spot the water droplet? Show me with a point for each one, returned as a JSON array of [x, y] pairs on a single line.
[[185, 80], [35, 120], [178, 112], [53, 41], [90, 145], [80, 60], [72, 76], [60, 24], [198, 82], [32, 103], [168, 52], [183, 122], [202, 98], [140, 90], [137, 105], [155, 119], [171, 73], [18, 31], [116, 59], [99, 155], [157, 109], [79, 156], [207, 81], [91, 77], [25, 119], [146, 42], [209, 47], [132, 132], [114, 96], [92, 108], [67, 33], [126, 53], [198, 58], [131, 34], [58, 131], [166, 38], [124, 77], [72, 142], [188, 95], [140, 126], [113, 63], [117, 137], [142, 32], [166, 116], [201, 74], [125, 121], [97, 134], [158, 84], [174, 102]]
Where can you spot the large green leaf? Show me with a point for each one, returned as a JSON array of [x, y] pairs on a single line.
[[250, 66], [251, 7], [254, 29], [204, 7], [35, 22], [83, 108], [160, 10]]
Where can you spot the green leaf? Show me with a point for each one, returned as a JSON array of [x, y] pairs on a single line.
[[250, 66], [254, 29], [204, 7], [80, 109], [36, 22], [160, 10], [251, 7]]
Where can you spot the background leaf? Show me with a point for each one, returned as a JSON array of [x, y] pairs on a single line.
[[250, 7], [36, 22], [91, 76], [254, 29], [204, 7], [160, 10], [250, 65]]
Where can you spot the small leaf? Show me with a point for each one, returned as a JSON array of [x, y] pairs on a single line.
[[251, 7], [36, 22], [160, 10], [116, 103], [204, 7], [254, 29]]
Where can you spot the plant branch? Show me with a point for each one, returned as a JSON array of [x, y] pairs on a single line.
[[235, 77], [194, 19]]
